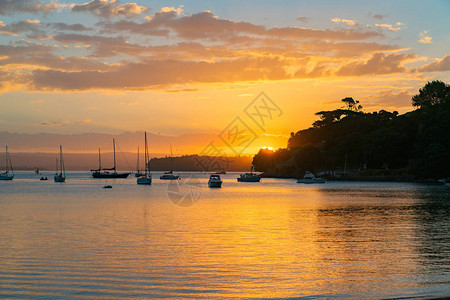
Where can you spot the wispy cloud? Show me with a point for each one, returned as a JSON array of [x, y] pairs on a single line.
[[378, 16], [63, 123], [390, 27], [424, 38], [344, 21], [303, 19]]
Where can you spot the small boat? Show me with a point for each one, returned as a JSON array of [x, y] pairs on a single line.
[[8, 174], [249, 177], [169, 175], [146, 178], [61, 176], [107, 186], [37, 172], [310, 178], [43, 178], [104, 173], [214, 181], [222, 171]]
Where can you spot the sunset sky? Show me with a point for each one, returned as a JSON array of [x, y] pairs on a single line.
[[192, 67]]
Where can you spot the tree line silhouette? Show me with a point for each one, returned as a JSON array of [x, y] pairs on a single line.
[[350, 142]]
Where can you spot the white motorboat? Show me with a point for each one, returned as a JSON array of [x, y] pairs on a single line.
[[214, 181], [310, 178]]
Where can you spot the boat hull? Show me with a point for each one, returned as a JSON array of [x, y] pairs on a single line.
[[309, 181], [144, 180], [252, 179], [215, 184], [59, 178], [6, 176], [110, 175], [169, 177]]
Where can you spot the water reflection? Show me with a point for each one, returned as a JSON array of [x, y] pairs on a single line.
[[276, 240]]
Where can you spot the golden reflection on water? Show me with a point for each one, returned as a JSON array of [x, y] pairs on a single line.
[[272, 240]]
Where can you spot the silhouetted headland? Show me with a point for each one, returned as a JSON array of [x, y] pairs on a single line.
[[349, 144]]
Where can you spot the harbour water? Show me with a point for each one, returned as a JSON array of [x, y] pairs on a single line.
[[273, 239]]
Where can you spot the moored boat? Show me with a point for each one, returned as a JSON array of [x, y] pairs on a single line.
[[138, 171], [61, 176], [9, 173], [146, 178], [249, 177], [169, 175], [310, 178], [105, 173], [214, 181]]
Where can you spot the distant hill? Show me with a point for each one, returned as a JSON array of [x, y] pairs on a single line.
[[125, 162]]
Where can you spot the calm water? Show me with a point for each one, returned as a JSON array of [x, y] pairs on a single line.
[[273, 239]]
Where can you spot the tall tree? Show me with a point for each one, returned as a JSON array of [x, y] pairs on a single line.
[[433, 93], [351, 104]]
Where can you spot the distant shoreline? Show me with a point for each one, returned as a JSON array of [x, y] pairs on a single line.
[[369, 179]]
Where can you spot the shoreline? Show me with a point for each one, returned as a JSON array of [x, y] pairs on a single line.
[[371, 179]]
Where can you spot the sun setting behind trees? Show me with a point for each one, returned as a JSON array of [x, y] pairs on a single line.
[[71, 67], [224, 149]]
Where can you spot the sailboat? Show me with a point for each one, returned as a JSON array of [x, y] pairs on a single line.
[[61, 176], [249, 177], [169, 175], [147, 177], [138, 171], [8, 174], [104, 173]]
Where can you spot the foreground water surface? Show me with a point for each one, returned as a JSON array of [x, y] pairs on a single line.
[[274, 239]]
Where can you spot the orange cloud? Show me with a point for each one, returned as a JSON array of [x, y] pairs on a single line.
[[440, 65], [109, 8], [378, 64]]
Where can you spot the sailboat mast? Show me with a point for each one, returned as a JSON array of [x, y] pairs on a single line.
[[6, 159], [137, 164], [99, 161], [146, 154], [114, 149], [60, 159], [63, 167], [171, 159]]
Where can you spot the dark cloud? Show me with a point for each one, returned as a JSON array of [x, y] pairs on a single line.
[[69, 27], [303, 19], [206, 25], [378, 16], [32, 27], [28, 6], [42, 56]]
